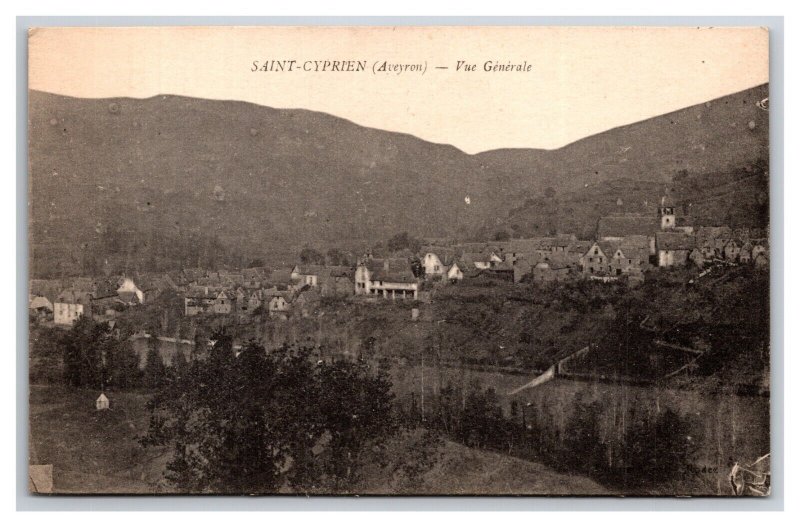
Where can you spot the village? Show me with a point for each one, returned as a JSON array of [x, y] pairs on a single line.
[[626, 247], [524, 322]]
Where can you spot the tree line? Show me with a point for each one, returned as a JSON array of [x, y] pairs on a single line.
[[654, 453]]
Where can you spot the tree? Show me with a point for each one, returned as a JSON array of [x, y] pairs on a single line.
[[581, 447], [255, 262], [401, 241], [123, 366], [501, 236], [84, 347], [550, 192], [417, 268], [256, 422], [311, 256], [154, 371], [354, 408], [659, 451], [337, 257]]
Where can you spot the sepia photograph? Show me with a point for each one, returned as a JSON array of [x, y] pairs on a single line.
[[399, 261]]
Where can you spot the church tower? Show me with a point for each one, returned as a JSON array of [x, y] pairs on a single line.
[[667, 213]]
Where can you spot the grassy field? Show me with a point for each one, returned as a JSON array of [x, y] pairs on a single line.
[[97, 452], [91, 451], [458, 470]]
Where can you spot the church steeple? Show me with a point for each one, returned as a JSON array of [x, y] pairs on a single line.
[[666, 211]]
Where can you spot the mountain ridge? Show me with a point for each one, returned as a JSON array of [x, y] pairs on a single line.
[[114, 179]]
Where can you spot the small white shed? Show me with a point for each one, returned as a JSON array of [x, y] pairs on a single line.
[[102, 402]]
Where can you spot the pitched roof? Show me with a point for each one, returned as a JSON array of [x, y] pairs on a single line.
[[559, 260], [674, 241], [279, 276], [635, 241], [500, 267], [201, 292], [255, 273], [445, 255], [286, 295], [46, 288], [608, 247], [475, 257], [620, 225], [193, 274], [397, 276], [463, 265], [580, 247], [528, 245], [127, 297], [70, 296], [322, 270], [39, 302], [153, 281], [307, 295], [390, 270], [706, 235]]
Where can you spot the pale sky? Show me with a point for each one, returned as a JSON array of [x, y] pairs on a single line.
[[582, 80]]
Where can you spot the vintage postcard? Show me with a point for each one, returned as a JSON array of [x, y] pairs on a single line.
[[399, 261]]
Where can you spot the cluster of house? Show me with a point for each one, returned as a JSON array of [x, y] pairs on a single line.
[[223, 292], [67, 299], [275, 292], [626, 246]]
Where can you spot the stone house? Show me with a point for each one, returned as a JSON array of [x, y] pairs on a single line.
[[279, 305], [548, 272], [223, 303], [673, 248], [597, 259], [731, 250], [199, 300]]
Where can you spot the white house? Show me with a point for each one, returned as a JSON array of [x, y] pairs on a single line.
[[455, 272], [433, 265], [70, 306], [127, 287], [390, 278], [102, 402]]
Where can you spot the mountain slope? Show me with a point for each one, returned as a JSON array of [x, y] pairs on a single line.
[[714, 136], [713, 158], [171, 181]]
